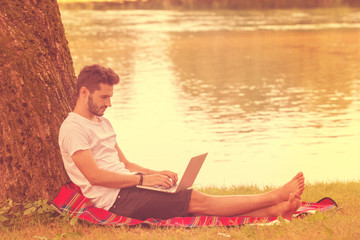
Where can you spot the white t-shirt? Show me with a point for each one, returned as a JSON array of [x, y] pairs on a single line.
[[79, 133]]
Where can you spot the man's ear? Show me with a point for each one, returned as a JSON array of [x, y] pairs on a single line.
[[84, 91]]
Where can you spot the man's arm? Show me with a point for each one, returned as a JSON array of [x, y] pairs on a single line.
[[87, 165], [136, 168]]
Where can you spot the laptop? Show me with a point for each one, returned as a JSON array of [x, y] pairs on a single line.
[[187, 179]]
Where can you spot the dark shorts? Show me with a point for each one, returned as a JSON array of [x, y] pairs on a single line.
[[142, 204]]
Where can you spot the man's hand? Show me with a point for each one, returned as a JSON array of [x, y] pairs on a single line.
[[163, 178], [173, 176]]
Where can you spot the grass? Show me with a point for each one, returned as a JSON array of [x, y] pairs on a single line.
[[40, 222]]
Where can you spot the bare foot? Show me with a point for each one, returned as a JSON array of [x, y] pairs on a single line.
[[295, 186], [287, 209]]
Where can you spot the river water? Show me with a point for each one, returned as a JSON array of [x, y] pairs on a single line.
[[266, 93]]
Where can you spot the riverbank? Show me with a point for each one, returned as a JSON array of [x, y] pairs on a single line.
[[343, 223], [203, 5]]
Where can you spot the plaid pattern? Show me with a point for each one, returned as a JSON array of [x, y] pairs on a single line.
[[71, 201]]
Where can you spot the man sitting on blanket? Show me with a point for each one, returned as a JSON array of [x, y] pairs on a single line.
[[94, 162]]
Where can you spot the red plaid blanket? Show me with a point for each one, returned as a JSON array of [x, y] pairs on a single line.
[[71, 201]]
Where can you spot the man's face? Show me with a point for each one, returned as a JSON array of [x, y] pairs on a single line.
[[100, 99]]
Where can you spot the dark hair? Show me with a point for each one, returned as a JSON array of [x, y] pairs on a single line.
[[91, 76]]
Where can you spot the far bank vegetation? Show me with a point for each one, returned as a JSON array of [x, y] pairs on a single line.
[[204, 4]]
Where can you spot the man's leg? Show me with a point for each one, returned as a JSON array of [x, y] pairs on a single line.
[[284, 209], [283, 197]]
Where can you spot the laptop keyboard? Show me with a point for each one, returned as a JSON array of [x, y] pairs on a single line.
[[165, 188]]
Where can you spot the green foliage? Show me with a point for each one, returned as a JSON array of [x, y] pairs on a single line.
[[39, 207], [13, 214], [9, 213]]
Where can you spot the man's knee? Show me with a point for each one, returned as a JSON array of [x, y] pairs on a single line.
[[199, 203]]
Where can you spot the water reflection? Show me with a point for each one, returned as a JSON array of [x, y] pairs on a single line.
[[264, 103]]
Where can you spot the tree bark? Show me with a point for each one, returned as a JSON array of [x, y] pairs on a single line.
[[37, 91]]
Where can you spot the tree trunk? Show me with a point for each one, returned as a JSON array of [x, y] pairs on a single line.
[[37, 91]]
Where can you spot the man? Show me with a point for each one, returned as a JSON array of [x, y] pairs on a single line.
[[94, 162]]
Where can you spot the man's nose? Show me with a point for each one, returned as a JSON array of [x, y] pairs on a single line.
[[108, 103]]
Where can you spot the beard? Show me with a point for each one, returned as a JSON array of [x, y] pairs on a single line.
[[95, 109]]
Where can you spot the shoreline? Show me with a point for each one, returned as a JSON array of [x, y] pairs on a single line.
[[199, 5]]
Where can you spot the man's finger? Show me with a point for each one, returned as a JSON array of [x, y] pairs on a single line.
[[166, 182], [173, 176]]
